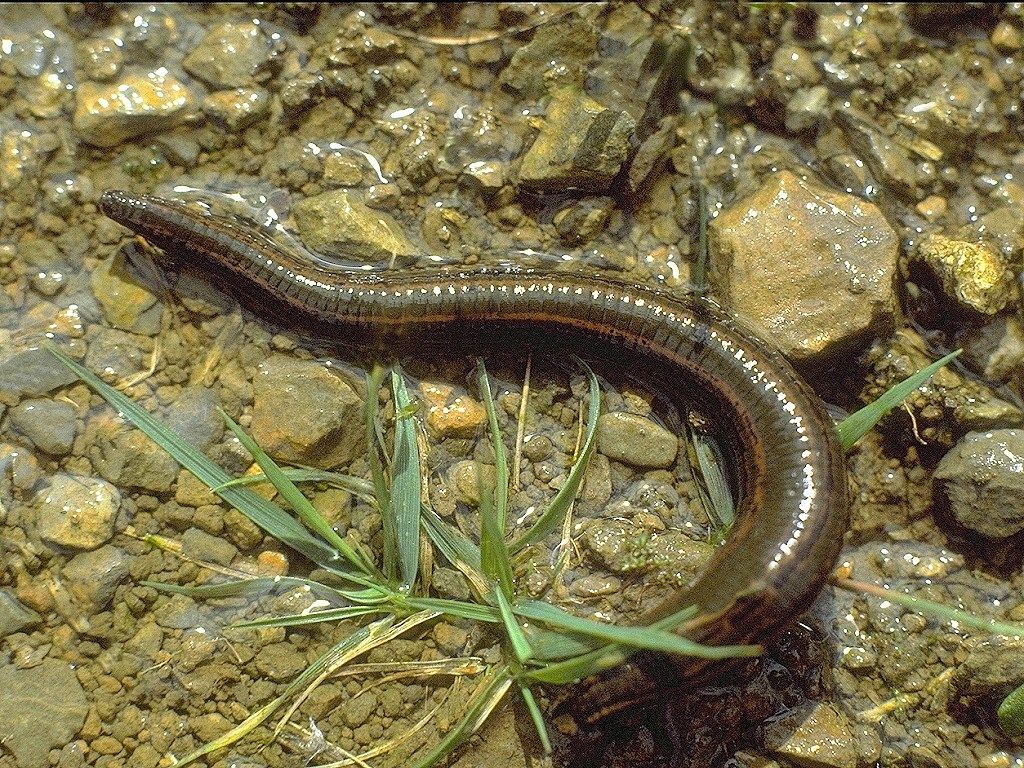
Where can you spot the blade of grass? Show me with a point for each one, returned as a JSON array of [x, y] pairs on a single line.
[[516, 638], [450, 540], [263, 513], [535, 715], [636, 637], [405, 485], [500, 455], [494, 559], [316, 617], [357, 486], [706, 467], [464, 610], [857, 424], [579, 667], [551, 518], [298, 501], [1011, 713], [246, 587]]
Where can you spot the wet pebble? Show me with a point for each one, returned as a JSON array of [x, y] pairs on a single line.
[[815, 735], [77, 512], [93, 576], [993, 668], [450, 640], [973, 274], [997, 349], [194, 416], [49, 424], [338, 223], [126, 304], [47, 694], [451, 415], [582, 143], [108, 114], [468, 476], [634, 440], [32, 372], [128, 458], [830, 257], [356, 711], [237, 108], [448, 582], [99, 58], [595, 585], [200, 545], [15, 617], [982, 482], [322, 422], [230, 55]]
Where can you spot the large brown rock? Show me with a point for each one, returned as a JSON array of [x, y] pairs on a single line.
[[809, 268]]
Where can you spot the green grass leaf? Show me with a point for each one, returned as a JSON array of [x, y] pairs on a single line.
[[648, 638], [535, 715], [460, 608], [268, 516], [404, 506], [298, 501], [357, 486], [314, 617], [857, 424], [454, 545], [494, 559], [500, 454], [552, 517], [241, 587], [516, 638]]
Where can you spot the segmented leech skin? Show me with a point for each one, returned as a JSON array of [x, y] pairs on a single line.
[[793, 508]]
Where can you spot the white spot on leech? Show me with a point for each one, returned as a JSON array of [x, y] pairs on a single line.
[[519, 290], [640, 303], [451, 290]]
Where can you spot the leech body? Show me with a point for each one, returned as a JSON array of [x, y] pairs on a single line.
[[793, 508]]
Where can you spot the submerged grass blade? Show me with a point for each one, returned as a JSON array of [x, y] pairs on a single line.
[[450, 540], [298, 501], [857, 424], [551, 518], [1011, 713], [500, 454], [404, 506], [648, 638], [316, 617], [706, 467], [357, 486], [268, 516], [243, 587]]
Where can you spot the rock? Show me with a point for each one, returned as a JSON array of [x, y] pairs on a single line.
[[15, 617], [33, 372], [24, 466], [1006, 38], [195, 417], [982, 482], [973, 274], [889, 162], [42, 708], [997, 349], [946, 406], [559, 51], [634, 440], [230, 55], [202, 546], [356, 711], [304, 413], [467, 476], [499, 744], [108, 114], [237, 108], [447, 416], [99, 58], [49, 424], [581, 144], [951, 112], [815, 735], [93, 576], [448, 582], [126, 305], [115, 354], [993, 668], [193, 492], [127, 458], [828, 261], [583, 220], [485, 176], [450, 640], [623, 548], [595, 585], [337, 223], [77, 512]]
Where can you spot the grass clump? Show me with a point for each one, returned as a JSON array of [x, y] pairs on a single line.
[[541, 642]]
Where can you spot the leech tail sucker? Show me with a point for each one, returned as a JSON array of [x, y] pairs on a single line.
[[793, 508]]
